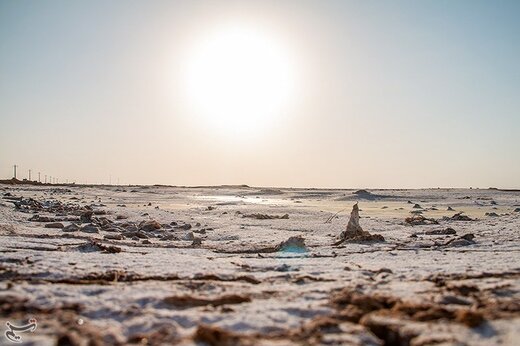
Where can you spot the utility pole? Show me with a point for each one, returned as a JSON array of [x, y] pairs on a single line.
[[29, 175], [15, 171], [39, 180]]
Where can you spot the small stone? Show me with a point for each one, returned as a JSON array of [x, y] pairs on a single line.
[[446, 231], [90, 228], [188, 236], [169, 237], [145, 241], [185, 227], [149, 226], [135, 234], [54, 225], [71, 228], [86, 216], [113, 237]]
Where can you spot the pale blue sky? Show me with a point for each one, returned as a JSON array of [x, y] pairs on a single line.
[[391, 93]]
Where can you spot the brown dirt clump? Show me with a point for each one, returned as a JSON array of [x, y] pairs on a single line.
[[215, 336], [192, 301], [419, 220], [266, 216]]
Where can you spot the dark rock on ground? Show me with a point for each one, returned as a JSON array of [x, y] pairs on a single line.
[[446, 231], [54, 225], [149, 226], [90, 228], [71, 228]]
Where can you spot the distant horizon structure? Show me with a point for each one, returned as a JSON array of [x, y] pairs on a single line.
[[29, 175], [39, 178], [15, 166]]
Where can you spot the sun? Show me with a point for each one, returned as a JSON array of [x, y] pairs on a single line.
[[238, 80]]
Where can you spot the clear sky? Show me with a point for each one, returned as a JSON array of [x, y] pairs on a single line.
[[354, 94]]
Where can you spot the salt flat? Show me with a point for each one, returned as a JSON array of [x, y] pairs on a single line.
[[176, 265]]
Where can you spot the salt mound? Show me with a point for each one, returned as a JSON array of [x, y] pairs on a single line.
[[354, 232]]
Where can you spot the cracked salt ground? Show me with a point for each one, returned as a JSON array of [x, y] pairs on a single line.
[[269, 279]]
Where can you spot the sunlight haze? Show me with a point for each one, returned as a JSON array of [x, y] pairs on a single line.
[[346, 94]]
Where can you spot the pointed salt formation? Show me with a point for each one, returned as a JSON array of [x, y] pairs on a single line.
[[353, 227], [354, 232]]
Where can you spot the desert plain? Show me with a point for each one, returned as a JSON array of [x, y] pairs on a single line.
[[240, 265]]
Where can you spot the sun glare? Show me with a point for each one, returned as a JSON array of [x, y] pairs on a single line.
[[239, 80]]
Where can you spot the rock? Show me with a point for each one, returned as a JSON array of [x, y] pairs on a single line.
[[465, 240], [86, 216], [450, 209], [186, 226], [293, 244], [417, 206], [113, 237], [71, 228], [169, 237], [94, 245], [38, 218], [121, 217], [90, 228], [420, 220], [446, 231], [188, 236], [451, 299], [492, 214], [517, 210], [54, 225], [135, 234], [266, 216], [197, 242], [131, 228], [460, 217], [149, 226], [145, 241]]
